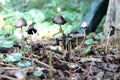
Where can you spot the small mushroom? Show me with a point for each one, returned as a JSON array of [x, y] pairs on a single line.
[[21, 22], [31, 29], [112, 32], [60, 21], [84, 25]]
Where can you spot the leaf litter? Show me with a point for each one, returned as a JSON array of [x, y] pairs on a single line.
[[50, 61]]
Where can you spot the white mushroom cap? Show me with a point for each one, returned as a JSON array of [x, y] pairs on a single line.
[[84, 25]]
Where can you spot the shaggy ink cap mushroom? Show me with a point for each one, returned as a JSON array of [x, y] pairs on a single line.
[[31, 29], [21, 22], [59, 20]]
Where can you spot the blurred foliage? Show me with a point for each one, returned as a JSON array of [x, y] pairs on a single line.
[[12, 57], [24, 63], [41, 12], [93, 39], [38, 73]]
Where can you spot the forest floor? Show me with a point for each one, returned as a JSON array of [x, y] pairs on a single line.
[[64, 59]]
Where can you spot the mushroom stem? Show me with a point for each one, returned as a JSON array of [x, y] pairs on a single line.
[[61, 30], [22, 33], [83, 38], [23, 39], [107, 43]]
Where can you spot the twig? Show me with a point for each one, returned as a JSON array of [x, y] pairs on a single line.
[[105, 69], [5, 64], [10, 68], [45, 65], [10, 78], [42, 63], [53, 41]]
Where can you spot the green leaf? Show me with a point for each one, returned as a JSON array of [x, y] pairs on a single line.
[[31, 14], [2, 38], [27, 48], [88, 37], [37, 73], [24, 72], [12, 38], [87, 50], [7, 44], [88, 42], [13, 57], [100, 36], [1, 55], [24, 63]]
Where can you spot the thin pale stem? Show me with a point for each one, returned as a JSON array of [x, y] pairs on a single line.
[[23, 39], [108, 39], [83, 39]]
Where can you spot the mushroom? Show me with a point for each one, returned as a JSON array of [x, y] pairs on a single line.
[[60, 21], [112, 32], [20, 23], [84, 26], [31, 29]]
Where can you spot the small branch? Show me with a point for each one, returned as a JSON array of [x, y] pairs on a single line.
[[9, 68], [45, 65], [5, 64], [42, 63], [10, 78], [105, 69], [53, 42]]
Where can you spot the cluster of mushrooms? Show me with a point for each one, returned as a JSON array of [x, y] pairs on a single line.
[[32, 30], [22, 22]]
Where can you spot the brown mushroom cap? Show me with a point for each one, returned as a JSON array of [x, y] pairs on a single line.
[[59, 20], [21, 22], [31, 29]]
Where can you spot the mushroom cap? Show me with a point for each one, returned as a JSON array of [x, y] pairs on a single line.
[[112, 32], [31, 29], [84, 25], [21, 22], [59, 20]]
